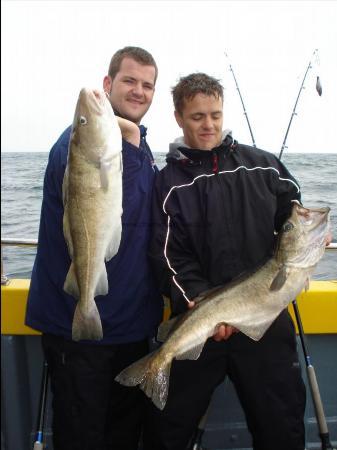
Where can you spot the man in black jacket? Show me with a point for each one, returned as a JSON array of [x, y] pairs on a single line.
[[218, 206]]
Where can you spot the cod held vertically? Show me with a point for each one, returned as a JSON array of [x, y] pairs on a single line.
[[249, 304], [92, 198]]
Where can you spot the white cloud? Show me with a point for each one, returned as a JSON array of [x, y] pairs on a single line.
[[51, 49]]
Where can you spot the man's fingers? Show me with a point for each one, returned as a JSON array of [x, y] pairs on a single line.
[[190, 304], [223, 332], [328, 239]]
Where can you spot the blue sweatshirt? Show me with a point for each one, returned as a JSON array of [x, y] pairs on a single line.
[[132, 309]]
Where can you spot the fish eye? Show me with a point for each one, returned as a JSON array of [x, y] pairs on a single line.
[[287, 227], [83, 120]]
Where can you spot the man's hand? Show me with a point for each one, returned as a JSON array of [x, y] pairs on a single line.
[[328, 239], [222, 330], [129, 130]]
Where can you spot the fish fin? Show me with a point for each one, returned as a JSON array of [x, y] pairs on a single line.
[[255, 333], [87, 325], [257, 329], [102, 286], [104, 174], [165, 328], [280, 279], [65, 187], [66, 233], [70, 285], [203, 295], [192, 353], [114, 244], [152, 379]]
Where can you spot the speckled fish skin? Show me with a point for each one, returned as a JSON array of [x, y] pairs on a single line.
[[92, 197], [250, 304]]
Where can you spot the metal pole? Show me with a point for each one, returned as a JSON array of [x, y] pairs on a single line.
[[4, 279], [13, 242], [38, 444], [196, 442]]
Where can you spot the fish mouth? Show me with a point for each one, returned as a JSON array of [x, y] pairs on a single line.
[[94, 99], [314, 224], [312, 217]]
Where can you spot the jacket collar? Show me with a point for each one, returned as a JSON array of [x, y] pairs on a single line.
[[143, 131], [178, 150]]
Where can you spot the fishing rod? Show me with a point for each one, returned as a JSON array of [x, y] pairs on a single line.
[[311, 374], [243, 105], [38, 444], [319, 91], [314, 389]]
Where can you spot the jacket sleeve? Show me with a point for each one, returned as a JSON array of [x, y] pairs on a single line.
[[52, 203], [287, 191], [175, 265]]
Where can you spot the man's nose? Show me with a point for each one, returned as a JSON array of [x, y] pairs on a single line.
[[208, 122], [137, 90]]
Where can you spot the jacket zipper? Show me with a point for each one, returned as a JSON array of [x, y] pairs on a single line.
[[215, 163]]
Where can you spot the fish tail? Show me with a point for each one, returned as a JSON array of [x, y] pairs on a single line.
[[87, 325], [152, 375]]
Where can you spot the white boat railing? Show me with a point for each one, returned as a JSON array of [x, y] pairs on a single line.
[[15, 242]]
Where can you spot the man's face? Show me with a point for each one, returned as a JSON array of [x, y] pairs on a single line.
[[131, 91], [201, 121]]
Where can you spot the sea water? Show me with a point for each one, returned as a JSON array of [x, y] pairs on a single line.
[[21, 197]]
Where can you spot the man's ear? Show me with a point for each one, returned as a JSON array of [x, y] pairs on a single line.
[[107, 84], [179, 119]]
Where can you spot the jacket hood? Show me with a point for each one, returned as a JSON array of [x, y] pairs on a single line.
[[177, 147]]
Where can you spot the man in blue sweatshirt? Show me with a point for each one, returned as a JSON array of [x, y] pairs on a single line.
[[90, 410]]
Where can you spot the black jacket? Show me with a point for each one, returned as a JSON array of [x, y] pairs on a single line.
[[215, 216]]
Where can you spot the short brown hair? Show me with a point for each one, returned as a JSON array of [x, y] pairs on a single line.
[[138, 54], [191, 85]]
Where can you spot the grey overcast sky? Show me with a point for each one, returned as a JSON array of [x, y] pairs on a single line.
[[51, 49]]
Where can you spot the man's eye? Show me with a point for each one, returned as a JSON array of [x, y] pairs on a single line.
[[83, 120]]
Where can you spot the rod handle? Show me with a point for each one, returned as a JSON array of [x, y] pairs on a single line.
[[317, 401], [38, 446]]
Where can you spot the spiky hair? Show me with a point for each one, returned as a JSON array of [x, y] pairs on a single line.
[[191, 85]]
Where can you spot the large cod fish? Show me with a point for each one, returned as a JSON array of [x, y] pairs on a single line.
[[250, 304], [92, 198]]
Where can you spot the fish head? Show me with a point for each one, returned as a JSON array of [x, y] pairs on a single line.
[[95, 130], [303, 236]]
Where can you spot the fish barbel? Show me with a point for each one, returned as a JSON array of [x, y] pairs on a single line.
[[92, 198], [249, 304]]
